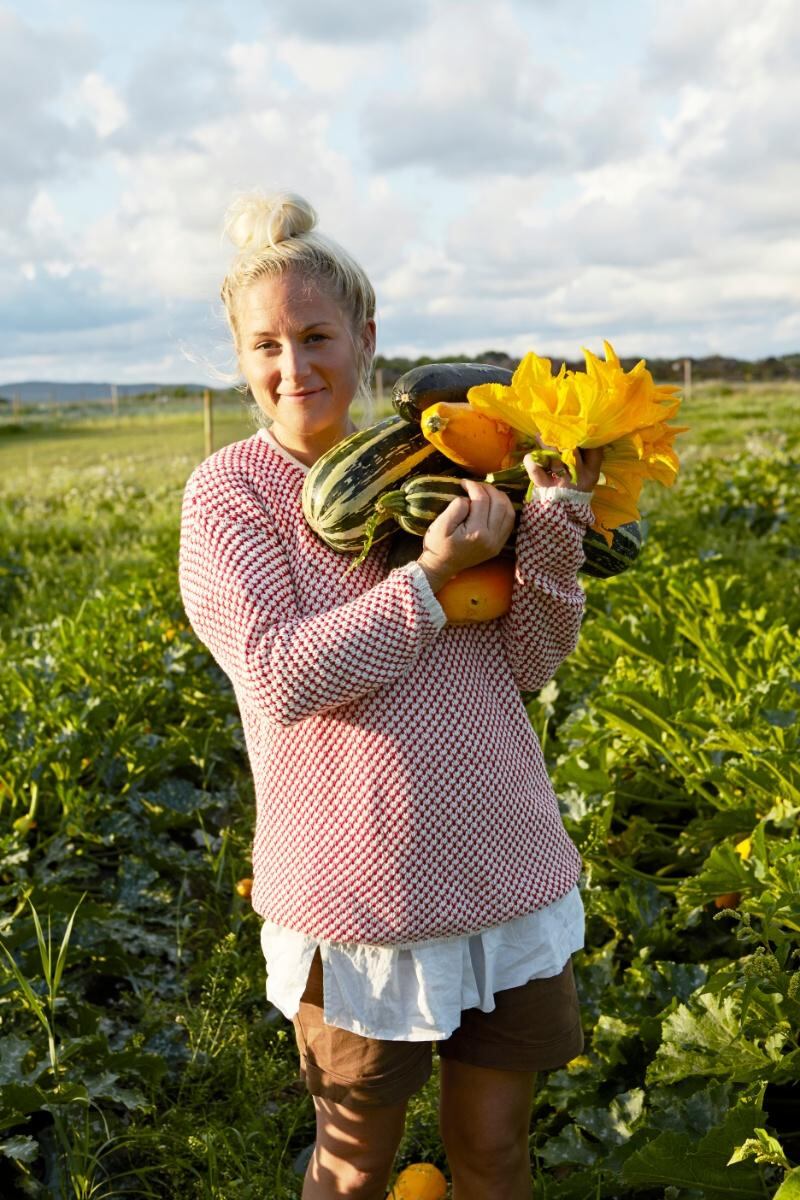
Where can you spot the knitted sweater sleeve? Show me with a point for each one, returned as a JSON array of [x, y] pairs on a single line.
[[541, 628], [238, 594]]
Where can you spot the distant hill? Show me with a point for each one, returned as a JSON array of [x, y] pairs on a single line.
[[38, 391]]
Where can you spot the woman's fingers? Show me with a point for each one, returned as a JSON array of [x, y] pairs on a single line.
[[479, 505], [491, 512], [555, 473], [540, 475], [589, 464], [501, 515], [454, 515]]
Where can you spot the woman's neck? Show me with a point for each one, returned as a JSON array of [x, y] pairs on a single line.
[[308, 449]]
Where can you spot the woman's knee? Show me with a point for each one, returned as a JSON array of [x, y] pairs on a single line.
[[359, 1143], [484, 1115]]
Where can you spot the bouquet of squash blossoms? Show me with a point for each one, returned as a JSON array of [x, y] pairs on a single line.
[[625, 412]]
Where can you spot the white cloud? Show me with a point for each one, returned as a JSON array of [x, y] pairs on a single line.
[[460, 107], [36, 141], [500, 187], [326, 68], [105, 109], [345, 21], [44, 218]]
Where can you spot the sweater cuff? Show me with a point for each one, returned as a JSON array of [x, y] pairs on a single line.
[[560, 493], [425, 592]]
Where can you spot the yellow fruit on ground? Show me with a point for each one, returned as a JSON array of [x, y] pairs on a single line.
[[480, 593], [420, 1181]]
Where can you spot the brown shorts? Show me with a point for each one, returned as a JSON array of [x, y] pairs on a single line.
[[535, 1027]]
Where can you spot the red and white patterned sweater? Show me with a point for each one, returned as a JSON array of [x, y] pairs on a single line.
[[401, 794]]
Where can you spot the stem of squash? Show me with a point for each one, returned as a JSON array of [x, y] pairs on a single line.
[[369, 534], [435, 422]]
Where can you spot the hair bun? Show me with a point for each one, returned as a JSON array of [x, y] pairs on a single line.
[[255, 220]]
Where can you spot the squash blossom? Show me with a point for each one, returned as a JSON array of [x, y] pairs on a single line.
[[623, 411]]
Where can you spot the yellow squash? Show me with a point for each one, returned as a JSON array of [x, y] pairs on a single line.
[[420, 1181], [481, 593], [468, 437]]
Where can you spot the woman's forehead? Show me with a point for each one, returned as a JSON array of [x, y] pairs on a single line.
[[286, 301]]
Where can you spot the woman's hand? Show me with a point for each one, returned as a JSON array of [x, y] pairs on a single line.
[[555, 473], [469, 531]]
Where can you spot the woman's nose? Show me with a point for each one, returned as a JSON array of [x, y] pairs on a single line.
[[294, 362]]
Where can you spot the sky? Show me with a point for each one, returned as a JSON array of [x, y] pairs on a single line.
[[512, 174]]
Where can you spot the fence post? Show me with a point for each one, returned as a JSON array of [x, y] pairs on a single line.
[[15, 406], [379, 384], [687, 378], [114, 401], [208, 422]]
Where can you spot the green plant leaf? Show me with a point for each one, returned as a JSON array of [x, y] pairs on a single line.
[[680, 1160], [568, 1146], [21, 1148], [705, 1038], [790, 1188]]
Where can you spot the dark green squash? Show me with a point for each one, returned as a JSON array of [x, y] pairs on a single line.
[[604, 561], [437, 383]]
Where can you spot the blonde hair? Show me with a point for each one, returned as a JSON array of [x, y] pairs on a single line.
[[275, 233]]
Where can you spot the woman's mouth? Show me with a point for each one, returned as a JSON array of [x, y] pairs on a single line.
[[299, 395]]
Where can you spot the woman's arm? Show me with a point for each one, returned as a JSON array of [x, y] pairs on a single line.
[[542, 626], [239, 597], [547, 603]]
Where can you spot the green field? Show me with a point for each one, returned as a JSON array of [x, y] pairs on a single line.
[[147, 1062]]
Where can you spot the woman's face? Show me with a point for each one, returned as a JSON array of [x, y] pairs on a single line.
[[297, 351]]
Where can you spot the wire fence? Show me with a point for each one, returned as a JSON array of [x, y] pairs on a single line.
[[116, 410]]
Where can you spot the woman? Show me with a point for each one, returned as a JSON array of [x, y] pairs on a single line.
[[416, 882]]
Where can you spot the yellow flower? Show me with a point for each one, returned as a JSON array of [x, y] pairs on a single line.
[[613, 507], [577, 408], [744, 848], [624, 402], [503, 404], [625, 412], [646, 454]]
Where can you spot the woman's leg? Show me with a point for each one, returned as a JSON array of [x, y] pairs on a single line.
[[354, 1152], [484, 1121]]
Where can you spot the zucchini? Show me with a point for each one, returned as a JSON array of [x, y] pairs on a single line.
[[416, 503], [343, 485], [421, 499], [603, 561], [441, 383]]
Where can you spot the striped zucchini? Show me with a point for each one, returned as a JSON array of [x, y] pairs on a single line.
[[418, 502], [436, 383], [342, 487]]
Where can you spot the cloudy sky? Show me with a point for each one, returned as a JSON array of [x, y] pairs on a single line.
[[518, 174]]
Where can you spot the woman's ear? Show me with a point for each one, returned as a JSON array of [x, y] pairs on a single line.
[[369, 338]]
